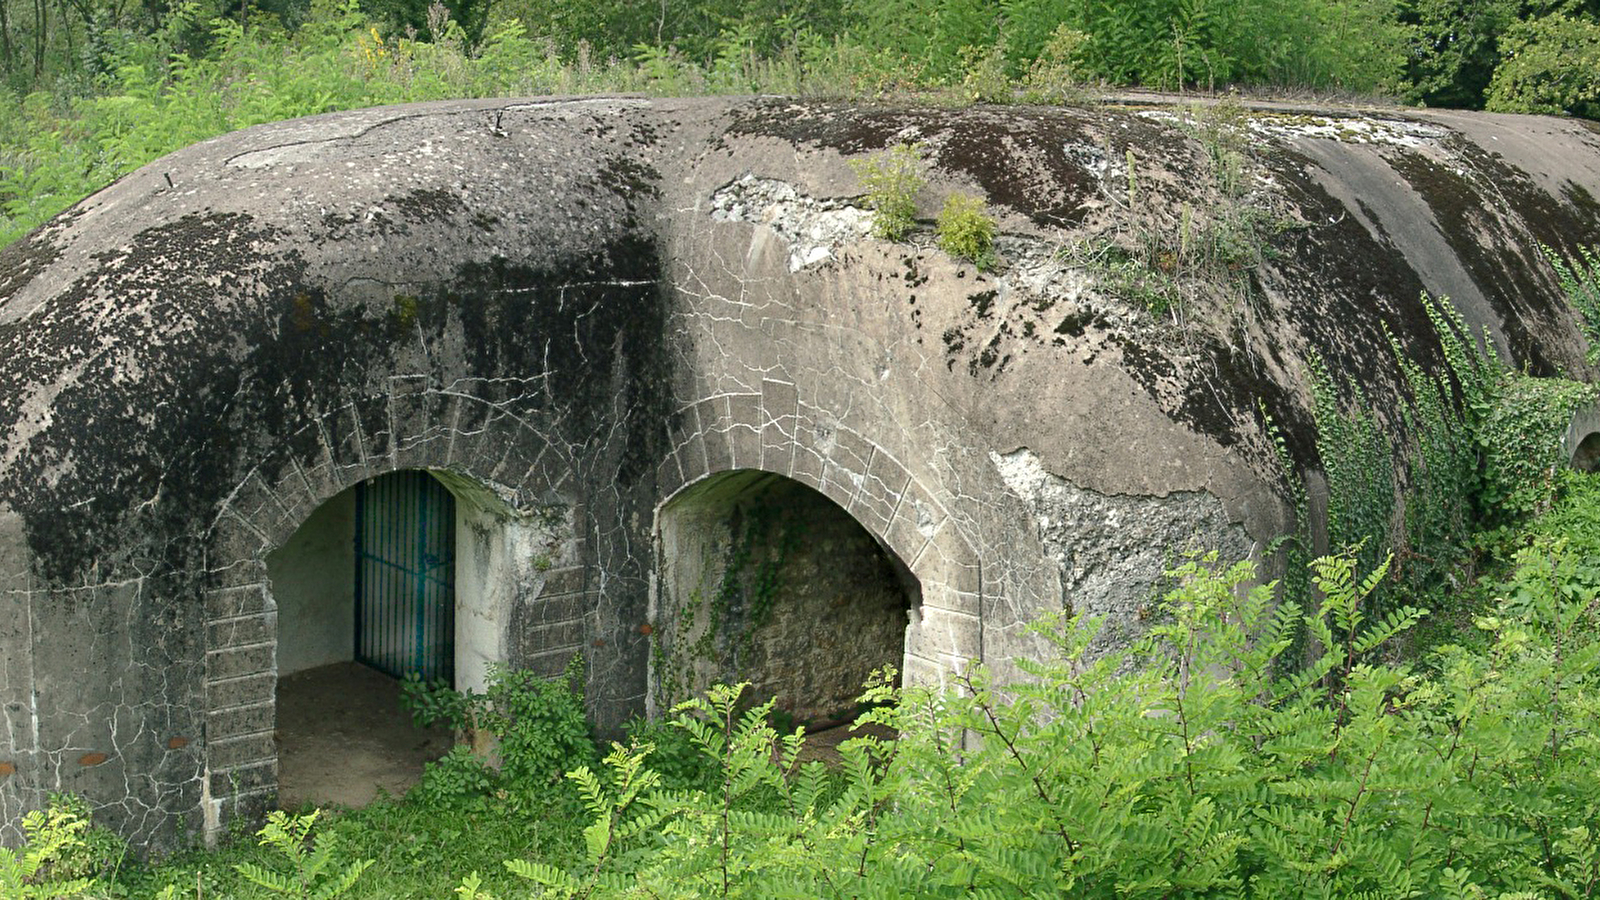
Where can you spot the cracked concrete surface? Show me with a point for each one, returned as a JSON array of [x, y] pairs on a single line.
[[593, 305]]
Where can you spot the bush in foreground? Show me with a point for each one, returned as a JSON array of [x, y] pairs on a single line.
[[1183, 768]]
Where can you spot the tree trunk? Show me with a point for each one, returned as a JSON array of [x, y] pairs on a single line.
[[41, 37], [66, 31], [8, 59]]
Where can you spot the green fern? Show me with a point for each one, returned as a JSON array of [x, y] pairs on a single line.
[[52, 834], [311, 869]]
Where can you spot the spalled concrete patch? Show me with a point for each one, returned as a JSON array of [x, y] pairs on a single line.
[[1113, 551], [814, 229]]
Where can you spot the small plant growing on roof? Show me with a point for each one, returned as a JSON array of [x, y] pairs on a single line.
[[892, 180], [966, 231]]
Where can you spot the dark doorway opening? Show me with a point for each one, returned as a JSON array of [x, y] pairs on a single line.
[[766, 580], [365, 591], [1587, 457]]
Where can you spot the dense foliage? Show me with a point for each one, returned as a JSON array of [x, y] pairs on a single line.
[[1182, 768]]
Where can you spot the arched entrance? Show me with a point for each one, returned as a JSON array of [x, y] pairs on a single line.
[[1586, 458], [763, 579], [366, 594]]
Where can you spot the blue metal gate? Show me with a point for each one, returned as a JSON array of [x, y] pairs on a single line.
[[405, 575]]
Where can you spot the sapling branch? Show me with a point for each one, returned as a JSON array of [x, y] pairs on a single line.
[[1015, 753]]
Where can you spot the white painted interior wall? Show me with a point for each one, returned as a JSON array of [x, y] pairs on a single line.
[[498, 554], [312, 577]]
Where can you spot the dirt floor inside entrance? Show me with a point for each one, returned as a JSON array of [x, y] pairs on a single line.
[[342, 737]]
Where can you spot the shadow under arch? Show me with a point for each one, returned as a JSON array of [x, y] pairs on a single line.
[[775, 430], [1580, 443], [1586, 457], [762, 579]]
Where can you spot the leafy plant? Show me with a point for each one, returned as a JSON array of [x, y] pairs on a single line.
[[892, 180], [674, 754], [1185, 767], [1548, 65], [983, 75], [1359, 464], [619, 815], [538, 725], [458, 777], [966, 231], [1580, 283], [310, 870], [1520, 435], [41, 868], [1055, 74]]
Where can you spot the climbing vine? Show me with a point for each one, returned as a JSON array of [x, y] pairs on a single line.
[[1580, 282], [717, 624], [1520, 435], [1481, 450]]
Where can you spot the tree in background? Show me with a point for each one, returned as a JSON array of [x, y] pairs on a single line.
[[1549, 65], [1460, 44]]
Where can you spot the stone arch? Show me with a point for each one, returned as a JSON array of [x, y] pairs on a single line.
[[1580, 443], [774, 430], [761, 579], [504, 470], [1586, 456]]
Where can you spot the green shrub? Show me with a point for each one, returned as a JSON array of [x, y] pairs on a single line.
[[308, 870], [1055, 75], [674, 754], [538, 725], [1549, 65], [459, 778], [1182, 768], [892, 180], [966, 231], [984, 78]]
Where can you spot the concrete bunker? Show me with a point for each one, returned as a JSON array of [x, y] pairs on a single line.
[[579, 319], [763, 579]]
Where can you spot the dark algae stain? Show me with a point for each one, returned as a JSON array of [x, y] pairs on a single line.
[[1503, 259], [982, 302], [24, 259], [138, 396], [174, 381], [429, 205], [1018, 155]]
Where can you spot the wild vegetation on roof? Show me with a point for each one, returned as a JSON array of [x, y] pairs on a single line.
[[90, 90]]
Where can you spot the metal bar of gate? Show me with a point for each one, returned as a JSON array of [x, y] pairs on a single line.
[[405, 575]]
